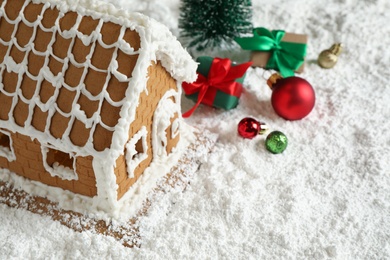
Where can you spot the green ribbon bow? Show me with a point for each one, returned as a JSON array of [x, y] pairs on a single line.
[[287, 57]]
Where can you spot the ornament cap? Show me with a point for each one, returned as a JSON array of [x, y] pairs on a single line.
[[273, 79], [336, 48], [263, 128]]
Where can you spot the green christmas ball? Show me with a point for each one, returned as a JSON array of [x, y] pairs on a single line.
[[276, 142]]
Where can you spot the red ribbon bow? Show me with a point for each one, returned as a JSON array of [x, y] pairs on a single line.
[[221, 77]]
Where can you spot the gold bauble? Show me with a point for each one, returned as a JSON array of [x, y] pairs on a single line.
[[328, 58]]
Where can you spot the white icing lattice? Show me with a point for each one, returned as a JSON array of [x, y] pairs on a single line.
[[58, 81]]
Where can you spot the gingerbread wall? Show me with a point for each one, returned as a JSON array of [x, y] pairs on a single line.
[[29, 164], [159, 82]]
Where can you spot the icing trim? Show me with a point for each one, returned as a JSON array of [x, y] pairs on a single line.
[[58, 170], [6, 152], [133, 157], [166, 109], [175, 128]]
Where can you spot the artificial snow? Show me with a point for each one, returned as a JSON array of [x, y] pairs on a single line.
[[326, 197]]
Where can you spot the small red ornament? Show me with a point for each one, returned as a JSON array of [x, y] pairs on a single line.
[[292, 98], [250, 127]]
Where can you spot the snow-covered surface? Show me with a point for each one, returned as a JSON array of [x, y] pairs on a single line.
[[326, 197]]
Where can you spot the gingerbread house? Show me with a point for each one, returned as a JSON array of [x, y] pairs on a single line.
[[89, 97]]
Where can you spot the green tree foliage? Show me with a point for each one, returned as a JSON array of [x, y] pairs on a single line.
[[210, 23]]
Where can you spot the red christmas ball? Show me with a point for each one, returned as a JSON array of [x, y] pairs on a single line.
[[248, 127], [292, 98]]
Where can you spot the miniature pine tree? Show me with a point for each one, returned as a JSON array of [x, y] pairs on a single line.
[[211, 23]]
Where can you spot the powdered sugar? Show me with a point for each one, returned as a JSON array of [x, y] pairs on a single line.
[[326, 197]]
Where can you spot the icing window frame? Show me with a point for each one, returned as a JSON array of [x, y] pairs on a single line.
[[133, 156], [58, 169], [7, 151], [175, 128]]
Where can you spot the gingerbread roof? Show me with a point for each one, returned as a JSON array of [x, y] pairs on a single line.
[[69, 73]]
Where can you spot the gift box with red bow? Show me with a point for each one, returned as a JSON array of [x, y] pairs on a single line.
[[219, 83]]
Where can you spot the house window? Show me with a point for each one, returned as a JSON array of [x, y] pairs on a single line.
[[6, 149], [164, 129], [59, 163], [136, 151]]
